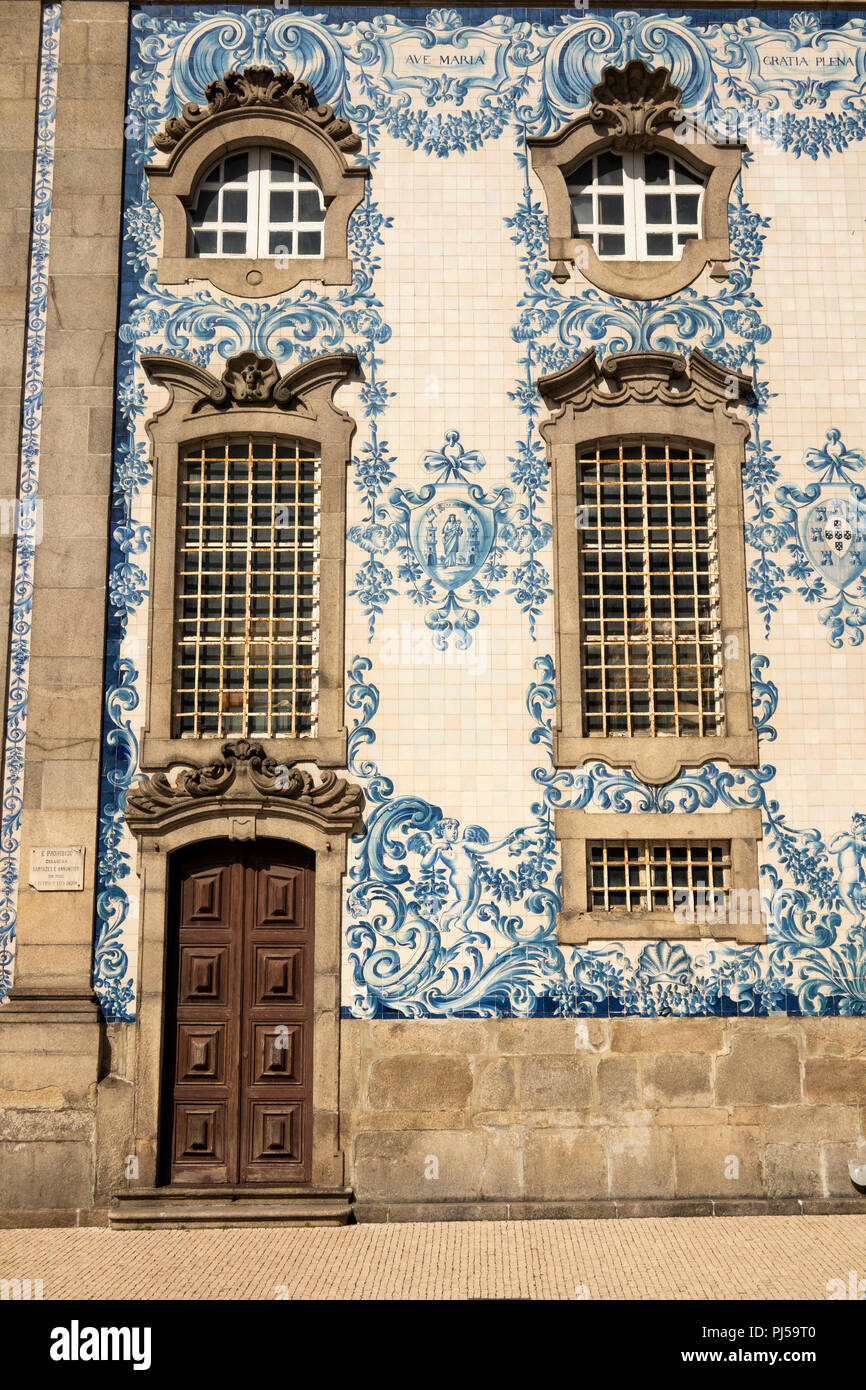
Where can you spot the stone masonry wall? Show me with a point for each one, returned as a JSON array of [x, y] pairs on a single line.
[[51, 1049], [19, 46], [562, 1117]]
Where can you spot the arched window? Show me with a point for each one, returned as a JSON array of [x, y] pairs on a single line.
[[257, 202], [636, 190], [636, 207], [255, 189]]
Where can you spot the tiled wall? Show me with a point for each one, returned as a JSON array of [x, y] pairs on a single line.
[[28, 522], [452, 893]]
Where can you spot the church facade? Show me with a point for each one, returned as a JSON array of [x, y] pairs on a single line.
[[434, 553]]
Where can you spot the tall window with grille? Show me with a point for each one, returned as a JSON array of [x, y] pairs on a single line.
[[247, 616], [649, 580]]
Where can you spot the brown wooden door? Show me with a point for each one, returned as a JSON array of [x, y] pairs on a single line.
[[239, 1015]]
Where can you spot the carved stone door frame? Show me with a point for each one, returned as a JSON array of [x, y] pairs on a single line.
[[242, 795]]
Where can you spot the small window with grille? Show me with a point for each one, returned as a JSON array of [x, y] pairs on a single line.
[[256, 203], [649, 577], [247, 619], [646, 876], [656, 875], [636, 207]]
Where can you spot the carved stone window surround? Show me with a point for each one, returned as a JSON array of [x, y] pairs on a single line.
[[629, 396], [201, 407], [283, 117], [578, 924], [646, 124], [238, 796]]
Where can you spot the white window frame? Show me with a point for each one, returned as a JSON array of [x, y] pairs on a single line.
[[634, 188], [258, 186]]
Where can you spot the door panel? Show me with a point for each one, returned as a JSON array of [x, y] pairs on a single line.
[[238, 1054], [204, 974], [205, 898], [200, 1135], [201, 1053], [280, 899], [275, 1137], [279, 974], [276, 1108]]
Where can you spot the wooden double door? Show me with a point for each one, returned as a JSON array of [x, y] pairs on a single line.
[[238, 1069]]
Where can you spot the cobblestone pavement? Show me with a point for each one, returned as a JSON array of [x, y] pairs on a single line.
[[763, 1257]]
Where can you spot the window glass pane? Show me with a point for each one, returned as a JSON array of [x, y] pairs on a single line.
[[658, 245], [609, 245], [658, 207], [234, 243], [282, 207], [309, 243], [205, 243], [687, 207], [581, 179], [280, 243], [236, 168], [609, 169], [282, 169], [234, 205], [581, 212], [684, 175], [611, 210], [206, 207], [309, 206], [656, 167]]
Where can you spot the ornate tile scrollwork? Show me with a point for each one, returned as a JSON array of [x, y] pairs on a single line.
[[447, 915], [28, 501]]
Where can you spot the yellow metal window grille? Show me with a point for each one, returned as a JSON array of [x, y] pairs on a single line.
[[655, 875], [650, 621], [247, 624]]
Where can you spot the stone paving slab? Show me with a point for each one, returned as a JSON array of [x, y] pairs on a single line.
[[754, 1257]]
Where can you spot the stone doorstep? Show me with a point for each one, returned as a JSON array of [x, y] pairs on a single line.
[[231, 1206]]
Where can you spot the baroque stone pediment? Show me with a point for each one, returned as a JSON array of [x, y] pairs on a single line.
[[644, 377], [253, 90], [634, 102], [243, 778], [250, 380]]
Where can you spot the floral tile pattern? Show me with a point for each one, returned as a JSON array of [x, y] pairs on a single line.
[[28, 504]]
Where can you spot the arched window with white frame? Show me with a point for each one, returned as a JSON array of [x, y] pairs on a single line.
[[254, 203], [634, 206]]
